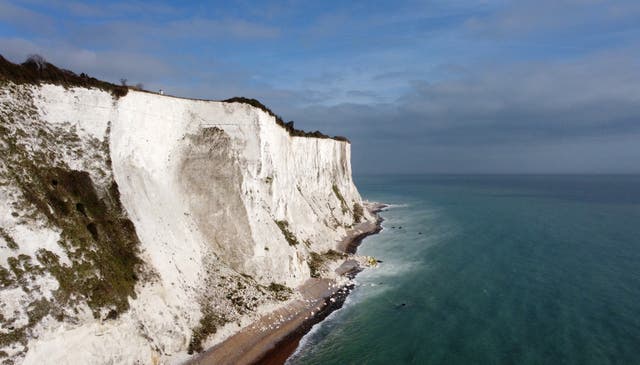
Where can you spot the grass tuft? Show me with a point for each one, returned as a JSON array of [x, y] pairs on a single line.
[[288, 235], [280, 292], [208, 325], [11, 243], [358, 213], [343, 203]]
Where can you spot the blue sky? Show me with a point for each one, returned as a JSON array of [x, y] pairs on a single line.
[[475, 86]]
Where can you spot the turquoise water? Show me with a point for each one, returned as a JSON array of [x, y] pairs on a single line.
[[507, 270]]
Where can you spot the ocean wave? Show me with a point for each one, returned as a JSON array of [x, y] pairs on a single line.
[[395, 206], [308, 340], [368, 286]]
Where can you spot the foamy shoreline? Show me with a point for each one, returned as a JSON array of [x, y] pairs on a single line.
[[274, 337]]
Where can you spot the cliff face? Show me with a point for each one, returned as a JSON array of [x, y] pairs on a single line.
[[133, 228]]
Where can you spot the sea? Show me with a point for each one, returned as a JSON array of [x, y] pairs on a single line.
[[493, 269]]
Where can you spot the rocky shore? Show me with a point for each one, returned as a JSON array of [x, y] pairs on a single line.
[[275, 336]]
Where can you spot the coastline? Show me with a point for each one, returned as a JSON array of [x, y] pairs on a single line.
[[354, 238], [274, 337]]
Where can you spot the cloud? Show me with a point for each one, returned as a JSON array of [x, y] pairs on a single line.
[[152, 35], [551, 17], [529, 102], [115, 8], [328, 25], [25, 19], [439, 85], [109, 65], [520, 110], [394, 75], [214, 28], [109, 9], [110, 25], [363, 94]]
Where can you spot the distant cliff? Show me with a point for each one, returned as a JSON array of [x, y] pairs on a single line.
[[134, 225]]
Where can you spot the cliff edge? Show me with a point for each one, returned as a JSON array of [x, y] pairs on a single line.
[[138, 228]]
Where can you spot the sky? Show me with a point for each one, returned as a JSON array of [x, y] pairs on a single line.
[[475, 86]]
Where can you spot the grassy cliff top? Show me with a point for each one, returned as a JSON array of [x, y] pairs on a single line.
[[35, 70], [288, 126]]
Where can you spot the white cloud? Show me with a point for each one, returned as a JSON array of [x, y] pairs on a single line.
[[110, 65], [25, 19], [527, 17], [214, 28]]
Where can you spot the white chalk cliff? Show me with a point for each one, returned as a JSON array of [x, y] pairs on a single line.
[[224, 203]]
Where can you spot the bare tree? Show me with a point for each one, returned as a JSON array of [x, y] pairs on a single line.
[[123, 82], [140, 86], [37, 60]]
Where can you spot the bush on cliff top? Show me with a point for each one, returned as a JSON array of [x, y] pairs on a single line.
[[36, 70], [287, 126]]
